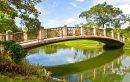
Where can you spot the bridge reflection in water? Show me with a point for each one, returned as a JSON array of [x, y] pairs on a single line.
[[91, 74], [93, 71]]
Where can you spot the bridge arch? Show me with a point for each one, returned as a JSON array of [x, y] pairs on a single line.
[[111, 39], [110, 43]]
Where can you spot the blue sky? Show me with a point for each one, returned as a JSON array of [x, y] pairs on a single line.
[[56, 13]]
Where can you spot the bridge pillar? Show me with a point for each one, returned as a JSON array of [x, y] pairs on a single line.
[[1, 36], [41, 34], [112, 34], [64, 31], [104, 31], [25, 35], [118, 36], [73, 32], [9, 35], [94, 31], [123, 38], [82, 30]]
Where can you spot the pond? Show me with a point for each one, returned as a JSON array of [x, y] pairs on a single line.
[[82, 64]]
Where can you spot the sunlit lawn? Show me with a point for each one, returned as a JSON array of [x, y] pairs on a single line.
[[83, 43]]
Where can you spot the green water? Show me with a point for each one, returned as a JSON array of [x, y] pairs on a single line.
[[81, 64]]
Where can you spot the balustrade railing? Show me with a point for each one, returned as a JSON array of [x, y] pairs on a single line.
[[3, 37], [108, 33], [88, 31], [121, 38], [53, 32], [18, 36], [115, 36], [100, 32], [32, 37], [73, 31], [59, 32]]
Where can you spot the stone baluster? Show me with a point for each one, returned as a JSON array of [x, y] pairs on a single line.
[[61, 32], [82, 30], [9, 35], [45, 33], [25, 35], [123, 38], [112, 34], [118, 36], [64, 31], [94, 31], [73, 32], [41, 34], [104, 31]]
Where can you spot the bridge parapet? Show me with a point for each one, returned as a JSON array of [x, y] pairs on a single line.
[[62, 32]]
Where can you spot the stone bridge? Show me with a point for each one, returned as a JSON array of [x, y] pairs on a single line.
[[58, 34]]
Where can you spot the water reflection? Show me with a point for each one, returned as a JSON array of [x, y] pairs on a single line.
[[106, 73], [81, 64], [51, 55]]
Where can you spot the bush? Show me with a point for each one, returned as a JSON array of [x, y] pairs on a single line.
[[18, 52], [6, 44]]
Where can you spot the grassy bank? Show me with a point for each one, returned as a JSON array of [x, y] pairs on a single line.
[[90, 44], [127, 45], [83, 43]]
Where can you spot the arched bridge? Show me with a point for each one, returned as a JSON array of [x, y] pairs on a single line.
[[58, 34]]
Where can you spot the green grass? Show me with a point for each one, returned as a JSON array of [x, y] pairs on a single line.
[[127, 44], [82, 43]]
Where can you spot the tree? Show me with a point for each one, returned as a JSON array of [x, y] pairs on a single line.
[[77, 25], [81, 24], [7, 23], [104, 13], [22, 9]]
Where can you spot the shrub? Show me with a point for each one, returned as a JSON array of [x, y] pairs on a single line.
[[18, 52], [6, 44]]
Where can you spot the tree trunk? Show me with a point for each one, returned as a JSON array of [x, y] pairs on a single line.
[[103, 25]]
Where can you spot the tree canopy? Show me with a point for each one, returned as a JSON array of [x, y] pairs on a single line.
[[22, 9], [7, 23], [105, 14]]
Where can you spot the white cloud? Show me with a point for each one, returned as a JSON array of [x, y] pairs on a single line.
[[80, 0], [124, 8], [53, 5], [73, 4], [70, 60], [70, 20], [41, 8]]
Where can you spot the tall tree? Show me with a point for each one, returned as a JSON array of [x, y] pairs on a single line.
[[22, 9], [104, 13]]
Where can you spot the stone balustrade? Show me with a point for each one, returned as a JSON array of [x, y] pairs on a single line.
[[63, 32]]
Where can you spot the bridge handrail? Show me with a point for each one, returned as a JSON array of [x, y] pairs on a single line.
[[63, 32]]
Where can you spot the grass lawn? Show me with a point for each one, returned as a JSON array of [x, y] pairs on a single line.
[[127, 44], [83, 43]]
